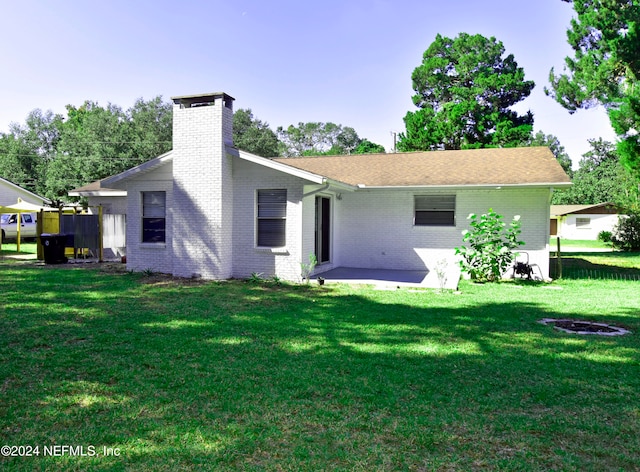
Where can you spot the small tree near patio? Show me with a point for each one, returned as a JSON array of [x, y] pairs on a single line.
[[490, 246]]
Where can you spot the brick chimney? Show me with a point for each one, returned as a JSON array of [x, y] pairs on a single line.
[[202, 208]]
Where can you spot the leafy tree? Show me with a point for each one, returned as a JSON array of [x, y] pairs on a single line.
[[367, 147], [347, 141], [605, 69], [50, 154], [316, 138], [626, 234], [94, 143], [150, 126], [553, 143], [41, 132], [464, 88], [97, 141], [600, 178], [18, 163], [26, 149], [253, 135]]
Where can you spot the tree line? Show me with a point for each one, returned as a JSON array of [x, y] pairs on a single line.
[[465, 88], [51, 154]]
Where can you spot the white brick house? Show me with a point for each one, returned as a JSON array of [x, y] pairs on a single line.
[[583, 222], [206, 209]]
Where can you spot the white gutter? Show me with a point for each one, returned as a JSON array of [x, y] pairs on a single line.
[[464, 186], [318, 190]]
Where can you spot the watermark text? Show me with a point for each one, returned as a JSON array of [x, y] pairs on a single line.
[[58, 450]]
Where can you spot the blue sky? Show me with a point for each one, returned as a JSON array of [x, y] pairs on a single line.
[[348, 62]]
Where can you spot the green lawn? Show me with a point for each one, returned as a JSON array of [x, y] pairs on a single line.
[[186, 375], [592, 264], [577, 243], [12, 248]]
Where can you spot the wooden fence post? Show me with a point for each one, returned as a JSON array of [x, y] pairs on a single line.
[[100, 232], [559, 259]]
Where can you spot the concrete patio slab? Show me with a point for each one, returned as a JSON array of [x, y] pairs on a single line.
[[389, 278]]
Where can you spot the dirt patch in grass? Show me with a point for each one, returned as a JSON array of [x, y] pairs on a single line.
[[171, 280], [113, 268], [585, 327]]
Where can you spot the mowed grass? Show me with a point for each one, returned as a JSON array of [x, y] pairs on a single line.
[[187, 375], [577, 244], [11, 249], [591, 264]]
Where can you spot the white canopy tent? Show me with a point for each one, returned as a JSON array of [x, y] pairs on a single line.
[[25, 207], [22, 207]]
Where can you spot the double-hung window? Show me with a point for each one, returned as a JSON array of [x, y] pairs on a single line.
[[434, 210], [272, 218], [154, 217]]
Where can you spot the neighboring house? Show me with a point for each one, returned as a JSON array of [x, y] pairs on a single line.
[[114, 210], [583, 221], [206, 209], [113, 201], [10, 193]]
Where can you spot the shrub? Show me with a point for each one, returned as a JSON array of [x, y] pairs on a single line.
[[307, 269], [626, 234], [276, 280], [491, 244], [604, 236]]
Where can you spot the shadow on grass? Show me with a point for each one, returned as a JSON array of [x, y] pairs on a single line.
[[593, 265], [230, 375]]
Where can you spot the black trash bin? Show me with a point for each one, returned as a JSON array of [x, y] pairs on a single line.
[[53, 247]]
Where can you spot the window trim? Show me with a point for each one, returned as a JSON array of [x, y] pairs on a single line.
[[282, 218], [143, 217], [452, 210], [583, 223]]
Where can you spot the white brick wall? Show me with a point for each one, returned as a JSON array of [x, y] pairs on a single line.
[[110, 205], [247, 257], [147, 256], [374, 229], [202, 205], [533, 207]]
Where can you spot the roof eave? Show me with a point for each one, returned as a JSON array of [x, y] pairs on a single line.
[[18, 187], [271, 164], [577, 208], [494, 186], [138, 170], [98, 193]]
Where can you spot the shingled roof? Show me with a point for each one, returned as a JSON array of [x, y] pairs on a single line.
[[527, 166], [606, 208], [95, 189]]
